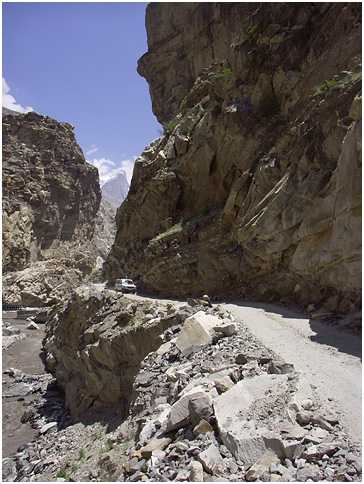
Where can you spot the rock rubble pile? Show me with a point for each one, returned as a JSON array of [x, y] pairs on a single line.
[[230, 410], [206, 401]]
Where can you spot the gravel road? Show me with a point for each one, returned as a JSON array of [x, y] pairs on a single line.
[[329, 359]]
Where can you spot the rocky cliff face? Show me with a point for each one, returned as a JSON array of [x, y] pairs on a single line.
[[254, 190], [51, 197], [50, 194], [105, 228]]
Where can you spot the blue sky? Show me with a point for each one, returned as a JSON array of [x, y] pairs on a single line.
[[76, 62]]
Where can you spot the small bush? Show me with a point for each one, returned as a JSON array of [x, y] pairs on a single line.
[[225, 74], [340, 81], [252, 30], [169, 126], [82, 454], [62, 474]]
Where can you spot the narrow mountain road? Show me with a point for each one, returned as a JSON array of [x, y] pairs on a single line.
[[327, 358]]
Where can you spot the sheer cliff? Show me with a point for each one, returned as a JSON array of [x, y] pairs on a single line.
[[51, 198], [254, 189]]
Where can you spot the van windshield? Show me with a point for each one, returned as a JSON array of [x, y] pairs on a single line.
[[128, 281]]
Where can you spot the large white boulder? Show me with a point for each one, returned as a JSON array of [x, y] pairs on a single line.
[[196, 401], [241, 435], [197, 331]]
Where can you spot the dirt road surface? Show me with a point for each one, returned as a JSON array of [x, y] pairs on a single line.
[[330, 359]]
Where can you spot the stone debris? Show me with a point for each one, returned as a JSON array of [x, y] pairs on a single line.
[[196, 473], [263, 465], [211, 460], [215, 414]]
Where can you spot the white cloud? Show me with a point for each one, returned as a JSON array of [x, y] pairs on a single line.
[[128, 167], [9, 101], [108, 169], [92, 150]]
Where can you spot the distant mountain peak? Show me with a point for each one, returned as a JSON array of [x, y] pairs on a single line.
[[116, 189]]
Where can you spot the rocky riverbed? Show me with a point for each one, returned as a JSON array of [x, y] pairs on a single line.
[[209, 402]]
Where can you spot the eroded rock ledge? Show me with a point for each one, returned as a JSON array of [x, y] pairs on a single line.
[[255, 188], [95, 343]]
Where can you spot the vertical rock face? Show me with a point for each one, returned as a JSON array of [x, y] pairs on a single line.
[[105, 228], [50, 194], [254, 189], [51, 198]]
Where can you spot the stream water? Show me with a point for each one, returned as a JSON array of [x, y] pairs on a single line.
[[24, 355]]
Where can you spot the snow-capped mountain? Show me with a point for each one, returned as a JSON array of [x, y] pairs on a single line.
[[116, 189]]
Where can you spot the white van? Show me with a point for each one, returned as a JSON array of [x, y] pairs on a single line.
[[125, 285]]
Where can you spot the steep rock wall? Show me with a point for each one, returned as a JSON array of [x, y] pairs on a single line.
[[51, 199], [254, 190], [50, 194]]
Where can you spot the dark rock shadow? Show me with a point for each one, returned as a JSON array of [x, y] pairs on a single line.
[[325, 333], [337, 338], [52, 407], [291, 312]]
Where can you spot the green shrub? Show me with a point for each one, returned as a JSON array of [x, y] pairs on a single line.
[[62, 474], [224, 74], [82, 454], [340, 81], [252, 30], [169, 126]]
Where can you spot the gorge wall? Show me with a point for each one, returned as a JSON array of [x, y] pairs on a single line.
[[51, 198], [254, 190]]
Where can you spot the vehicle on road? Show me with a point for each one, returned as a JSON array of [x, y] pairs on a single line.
[[125, 285]]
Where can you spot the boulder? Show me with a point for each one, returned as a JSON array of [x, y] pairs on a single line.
[[203, 427], [197, 331], [200, 407], [211, 460], [154, 445], [261, 466], [280, 367], [196, 473], [48, 426], [223, 384], [244, 438], [309, 471], [180, 413], [227, 328], [316, 452]]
